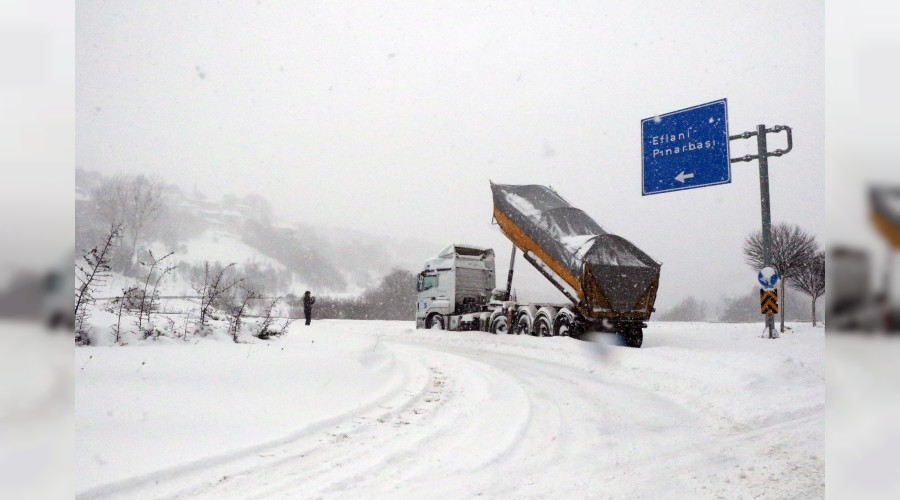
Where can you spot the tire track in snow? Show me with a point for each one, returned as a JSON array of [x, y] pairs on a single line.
[[576, 414], [176, 477], [357, 447], [547, 440], [701, 445], [485, 420], [647, 435], [462, 390]]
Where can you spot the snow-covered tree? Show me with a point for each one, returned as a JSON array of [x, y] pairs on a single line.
[[811, 280]]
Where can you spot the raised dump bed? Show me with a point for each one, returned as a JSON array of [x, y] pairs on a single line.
[[605, 275]]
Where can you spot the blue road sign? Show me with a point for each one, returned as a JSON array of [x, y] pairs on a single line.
[[768, 277], [686, 149]]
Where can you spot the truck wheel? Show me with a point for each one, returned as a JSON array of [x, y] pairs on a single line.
[[563, 326], [542, 327], [632, 338], [500, 325], [523, 326], [435, 322]]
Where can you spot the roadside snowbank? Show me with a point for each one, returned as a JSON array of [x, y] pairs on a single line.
[[144, 408]]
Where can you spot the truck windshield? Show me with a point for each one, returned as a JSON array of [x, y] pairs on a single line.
[[429, 281]]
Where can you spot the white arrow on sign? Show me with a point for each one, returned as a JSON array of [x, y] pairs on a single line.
[[683, 176]]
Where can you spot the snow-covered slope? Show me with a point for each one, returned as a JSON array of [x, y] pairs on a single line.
[[305, 256], [362, 259], [377, 409], [217, 246]]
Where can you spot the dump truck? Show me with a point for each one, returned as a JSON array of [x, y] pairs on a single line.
[[610, 284]]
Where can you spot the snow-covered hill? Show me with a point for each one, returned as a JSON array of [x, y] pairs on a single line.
[[218, 246], [301, 255], [345, 409]]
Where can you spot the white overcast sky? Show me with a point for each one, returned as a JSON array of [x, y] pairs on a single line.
[[391, 117]]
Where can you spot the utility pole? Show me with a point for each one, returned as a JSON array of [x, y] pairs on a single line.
[[762, 156]]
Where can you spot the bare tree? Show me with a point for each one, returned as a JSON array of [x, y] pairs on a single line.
[[146, 305], [212, 289], [90, 275], [133, 201], [811, 280], [792, 249]]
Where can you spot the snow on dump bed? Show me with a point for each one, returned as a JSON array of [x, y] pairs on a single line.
[[615, 253], [522, 204], [579, 244], [346, 409], [611, 252]]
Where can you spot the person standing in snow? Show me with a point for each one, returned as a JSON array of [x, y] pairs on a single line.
[[308, 301]]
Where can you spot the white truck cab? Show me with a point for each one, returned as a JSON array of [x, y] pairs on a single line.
[[454, 289]]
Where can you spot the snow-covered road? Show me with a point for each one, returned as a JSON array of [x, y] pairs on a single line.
[[377, 409]]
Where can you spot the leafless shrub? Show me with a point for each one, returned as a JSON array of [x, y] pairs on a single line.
[[187, 319], [126, 293], [214, 286], [284, 328], [91, 275], [265, 326], [146, 302], [237, 313]]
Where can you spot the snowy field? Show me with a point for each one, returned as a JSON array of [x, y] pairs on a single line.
[[354, 409]]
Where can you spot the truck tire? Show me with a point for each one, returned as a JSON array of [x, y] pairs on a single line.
[[542, 327], [632, 337], [564, 324], [523, 325], [547, 313], [500, 324], [435, 322]]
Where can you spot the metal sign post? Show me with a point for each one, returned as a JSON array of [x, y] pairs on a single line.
[[763, 155], [688, 149]]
